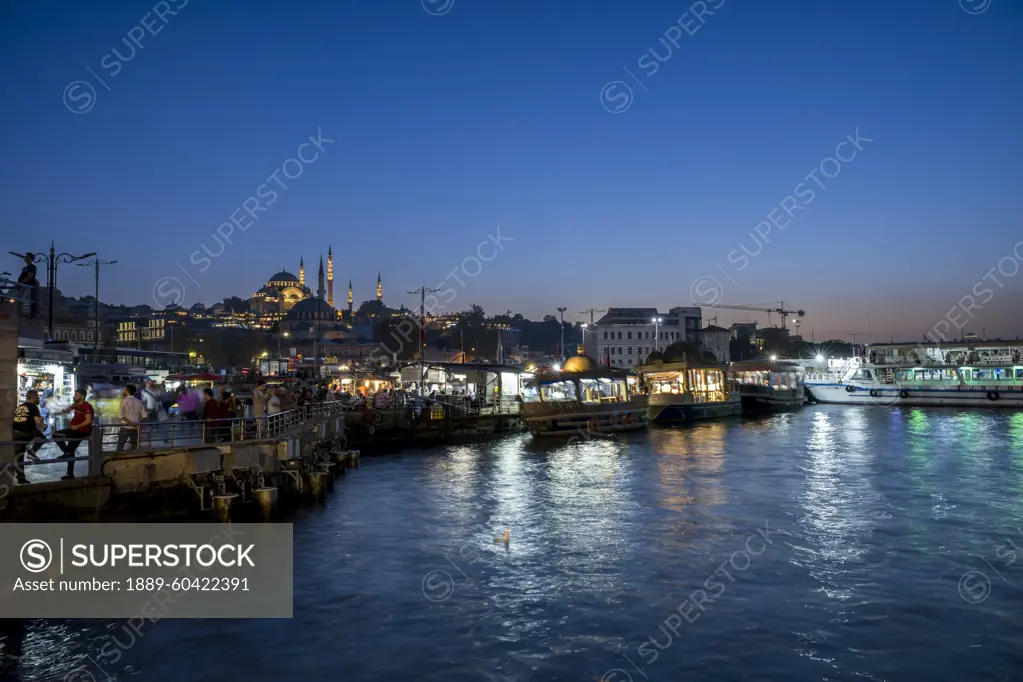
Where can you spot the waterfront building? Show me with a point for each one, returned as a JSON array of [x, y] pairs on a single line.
[[716, 340], [157, 327], [627, 336]]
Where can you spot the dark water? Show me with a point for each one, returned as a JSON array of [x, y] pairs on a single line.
[[838, 543]]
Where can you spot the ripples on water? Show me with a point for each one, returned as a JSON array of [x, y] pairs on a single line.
[[892, 556]]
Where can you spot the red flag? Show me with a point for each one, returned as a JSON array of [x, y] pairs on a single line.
[[607, 354]]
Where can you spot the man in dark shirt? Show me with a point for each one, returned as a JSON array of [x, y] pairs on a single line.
[[28, 282], [79, 429], [213, 413], [28, 430]]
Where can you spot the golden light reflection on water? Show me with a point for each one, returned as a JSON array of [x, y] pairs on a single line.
[[686, 451]]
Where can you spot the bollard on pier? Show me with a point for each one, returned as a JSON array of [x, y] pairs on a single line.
[[328, 473], [318, 486], [222, 505], [266, 498]]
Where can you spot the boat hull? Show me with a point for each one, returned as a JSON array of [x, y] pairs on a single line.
[[771, 401], [668, 412], [888, 396], [574, 418]]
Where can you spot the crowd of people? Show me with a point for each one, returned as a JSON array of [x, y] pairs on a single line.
[[220, 414]]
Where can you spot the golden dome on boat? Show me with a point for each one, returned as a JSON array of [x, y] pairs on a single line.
[[579, 363]]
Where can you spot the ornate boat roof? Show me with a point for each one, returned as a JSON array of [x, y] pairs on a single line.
[[577, 367]]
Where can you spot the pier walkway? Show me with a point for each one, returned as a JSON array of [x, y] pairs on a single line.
[[155, 438]]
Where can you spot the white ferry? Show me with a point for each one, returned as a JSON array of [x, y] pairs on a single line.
[[965, 374]]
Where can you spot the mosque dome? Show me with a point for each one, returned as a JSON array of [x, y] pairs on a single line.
[[283, 277], [579, 363], [312, 309]]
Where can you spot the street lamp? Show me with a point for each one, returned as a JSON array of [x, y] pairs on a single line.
[[657, 338], [423, 291], [96, 262], [562, 311], [51, 275]]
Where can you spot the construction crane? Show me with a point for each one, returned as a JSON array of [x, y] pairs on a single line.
[[781, 310], [591, 311]]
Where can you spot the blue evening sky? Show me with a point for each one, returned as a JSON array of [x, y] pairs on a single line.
[[455, 118]]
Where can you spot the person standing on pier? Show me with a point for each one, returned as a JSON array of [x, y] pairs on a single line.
[[29, 284], [213, 414], [132, 412], [188, 406], [79, 430], [150, 400], [28, 430], [259, 404]]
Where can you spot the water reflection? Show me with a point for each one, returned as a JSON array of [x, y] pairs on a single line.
[[834, 516], [609, 536], [693, 456]]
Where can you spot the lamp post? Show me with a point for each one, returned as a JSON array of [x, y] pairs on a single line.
[[562, 311], [657, 338], [423, 291], [96, 262], [51, 276]]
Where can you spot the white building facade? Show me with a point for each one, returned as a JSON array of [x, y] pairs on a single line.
[[627, 336]]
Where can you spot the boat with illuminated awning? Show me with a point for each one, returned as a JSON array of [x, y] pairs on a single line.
[[686, 391], [581, 399]]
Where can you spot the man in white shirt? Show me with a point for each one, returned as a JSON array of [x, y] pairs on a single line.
[[132, 413]]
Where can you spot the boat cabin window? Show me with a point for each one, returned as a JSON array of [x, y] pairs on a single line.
[[530, 394], [601, 390], [751, 378], [559, 390], [863, 374], [667, 383]]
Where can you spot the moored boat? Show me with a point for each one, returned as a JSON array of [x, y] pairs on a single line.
[[768, 385], [978, 374], [582, 399], [686, 391]]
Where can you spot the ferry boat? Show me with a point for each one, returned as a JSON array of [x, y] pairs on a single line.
[[968, 374], [582, 399], [685, 391], [766, 386]]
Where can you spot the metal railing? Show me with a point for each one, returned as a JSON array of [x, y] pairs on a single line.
[[151, 435], [106, 439]]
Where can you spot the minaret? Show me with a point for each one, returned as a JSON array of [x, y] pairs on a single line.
[[319, 287], [301, 272], [351, 298], [380, 288], [330, 278]]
